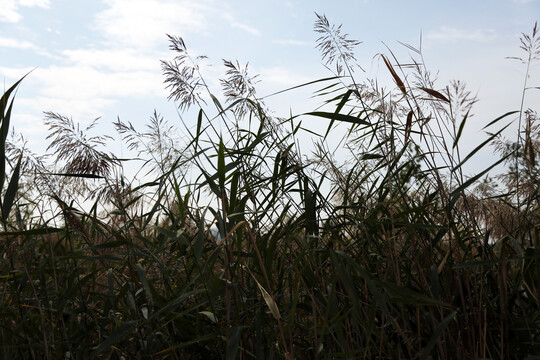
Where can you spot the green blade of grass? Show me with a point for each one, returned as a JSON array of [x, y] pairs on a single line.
[[341, 117], [479, 147], [500, 118], [234, 342], [436, 334], [454, 196], [117, 335], [460, 130], [144, 281], [345, 97], [11, 191], [221, 170], [32, 232]]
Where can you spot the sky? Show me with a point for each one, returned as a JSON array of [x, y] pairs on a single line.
[[102, 58]]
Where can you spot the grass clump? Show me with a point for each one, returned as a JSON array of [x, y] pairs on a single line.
[[239, 246]]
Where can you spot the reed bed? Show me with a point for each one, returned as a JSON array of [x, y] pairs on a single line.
[[235, 244]]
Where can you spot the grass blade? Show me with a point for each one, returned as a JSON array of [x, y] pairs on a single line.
[[399, 82], [436, 334], [435, 94], [117, 335], [11, 191], [341, 117]]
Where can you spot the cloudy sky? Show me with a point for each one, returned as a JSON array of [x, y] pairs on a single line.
[[101, 58]]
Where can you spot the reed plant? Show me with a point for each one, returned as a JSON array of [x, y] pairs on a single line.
[[238, 244]]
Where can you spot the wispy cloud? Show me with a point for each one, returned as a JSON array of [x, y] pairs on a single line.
[[87, 83], [246, 28], [144, 23], [281, 77], [449, 34], [16, 43], [10, 8], [38, 3], [118, 60], [230, 18], [51, 30], [121, 63], [9, 13], [13, 74], [291, 42], [85, 92]]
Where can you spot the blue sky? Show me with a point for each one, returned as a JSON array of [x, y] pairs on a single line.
[[101, 58]]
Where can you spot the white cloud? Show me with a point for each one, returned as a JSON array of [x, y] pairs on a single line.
[[236, 24], [17, 44], [453, 35], [86, 81], [51, 30], [10, 8], [282, 77], [113, 59], [30, 125], [36, 3], [144, 23], [81, 109], [81, 82], [291, 42], [13, 74], [246, 28], [82, 91], [9, 11]]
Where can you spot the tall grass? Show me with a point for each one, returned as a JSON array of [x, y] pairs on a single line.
[[241, 246]]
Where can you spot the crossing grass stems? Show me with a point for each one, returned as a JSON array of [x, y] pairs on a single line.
[[235, 244]]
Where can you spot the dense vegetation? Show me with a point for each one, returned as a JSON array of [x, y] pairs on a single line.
[[235, 245]]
